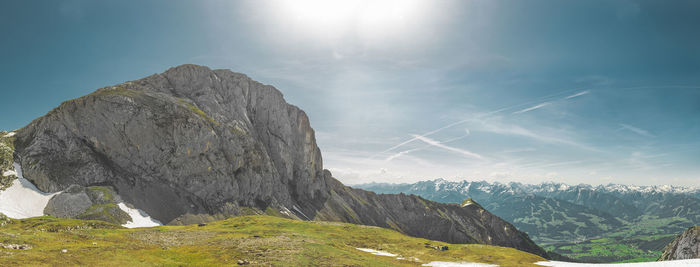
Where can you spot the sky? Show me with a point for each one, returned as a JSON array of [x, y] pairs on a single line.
[[592, 92]]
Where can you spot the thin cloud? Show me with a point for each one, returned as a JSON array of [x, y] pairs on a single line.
[[518, 150], [578, 94], [532, 108], [636, 130], [399, 154], [551, 164], [449, 148], [498, 127], [487, 114], [416, 137]]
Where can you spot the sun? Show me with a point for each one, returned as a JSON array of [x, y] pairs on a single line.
[[321, 11], [362, 15]]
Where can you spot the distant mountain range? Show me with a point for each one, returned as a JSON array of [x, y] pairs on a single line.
[[564, 218]]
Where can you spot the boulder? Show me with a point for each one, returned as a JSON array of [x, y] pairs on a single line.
[[685, 246], [88, 203]]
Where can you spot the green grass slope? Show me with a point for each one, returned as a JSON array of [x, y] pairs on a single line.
[[259, 240], [630, 249], [638, 242]]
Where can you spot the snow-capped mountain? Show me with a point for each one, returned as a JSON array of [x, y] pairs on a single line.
[[554, 213]]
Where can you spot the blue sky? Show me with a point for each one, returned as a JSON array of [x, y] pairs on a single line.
[[398, 91]]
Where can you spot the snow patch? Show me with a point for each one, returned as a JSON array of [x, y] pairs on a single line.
[[139, 218], [457, 264], [439, 183], [8, 173], [287, 212], [384, 253], [648, 189], [377, 252], [10, 134], [22, 199], [302, 214], [693, 262]]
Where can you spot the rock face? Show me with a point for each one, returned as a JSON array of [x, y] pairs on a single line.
[[68, 204], [88, 203], [7, 173], [192, 145], [685, 246]]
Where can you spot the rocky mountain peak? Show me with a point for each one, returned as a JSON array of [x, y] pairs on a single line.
[[199, 141]]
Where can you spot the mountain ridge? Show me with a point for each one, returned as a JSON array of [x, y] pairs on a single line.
[[554, 184], [572, 220]]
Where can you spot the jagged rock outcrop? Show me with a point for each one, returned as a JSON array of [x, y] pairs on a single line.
[[685, 246], [4, 220], [193, 144], [87, 203], [7, 172]]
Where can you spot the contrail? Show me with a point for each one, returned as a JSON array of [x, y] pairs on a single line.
[[466, 120], [578, 94], [416, 137], [453, 149], [637, 130], [539, 99], [402, 153], [532, 108], [396, 155]]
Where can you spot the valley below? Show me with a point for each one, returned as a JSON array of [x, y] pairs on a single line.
[[603, 224]]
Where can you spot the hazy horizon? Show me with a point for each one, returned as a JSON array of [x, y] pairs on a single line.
[[591, 92]]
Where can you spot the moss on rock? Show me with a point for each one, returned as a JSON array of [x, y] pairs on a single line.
[[105, 212], [470, 201], [7, 151], [198, 111], [88, 203], [101, 194], [4, 220], [116, 90]]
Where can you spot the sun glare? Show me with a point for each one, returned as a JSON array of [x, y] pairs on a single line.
[[362, 15]]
